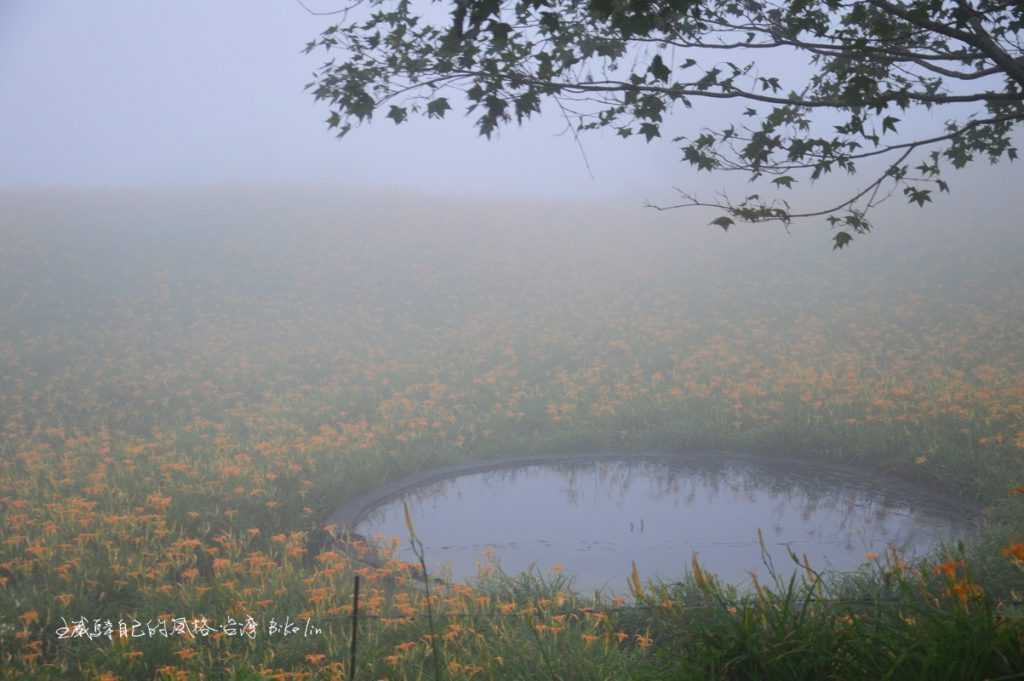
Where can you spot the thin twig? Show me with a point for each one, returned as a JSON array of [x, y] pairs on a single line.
[[343, 10], [575, 136]]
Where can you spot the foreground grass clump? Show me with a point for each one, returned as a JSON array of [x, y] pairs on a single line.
[[177, 421], [892, 621]]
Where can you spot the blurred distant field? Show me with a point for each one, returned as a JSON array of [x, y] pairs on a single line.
[[191, 380]]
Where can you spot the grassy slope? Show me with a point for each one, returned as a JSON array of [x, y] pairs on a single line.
[[193, 380]]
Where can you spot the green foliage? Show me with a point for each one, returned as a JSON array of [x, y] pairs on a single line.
[[868, 61], [724, 222], [889, 621], [438, 107]]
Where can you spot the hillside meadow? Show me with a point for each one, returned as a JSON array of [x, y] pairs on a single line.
[[192, 380]]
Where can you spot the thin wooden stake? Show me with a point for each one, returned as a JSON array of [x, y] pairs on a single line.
[[355, 630]]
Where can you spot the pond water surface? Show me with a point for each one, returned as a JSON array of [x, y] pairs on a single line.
[[592, 518]]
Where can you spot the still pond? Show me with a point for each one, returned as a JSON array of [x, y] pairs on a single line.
[[591, 518]]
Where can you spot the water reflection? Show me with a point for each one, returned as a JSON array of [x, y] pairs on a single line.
[[596, 517]]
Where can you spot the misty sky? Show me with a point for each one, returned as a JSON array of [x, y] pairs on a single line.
[[122, 92], [155, 92]]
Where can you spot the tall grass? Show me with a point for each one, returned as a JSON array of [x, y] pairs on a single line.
[[894, 621]]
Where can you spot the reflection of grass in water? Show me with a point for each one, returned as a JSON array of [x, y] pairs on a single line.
[[863, 521], [812, 491]]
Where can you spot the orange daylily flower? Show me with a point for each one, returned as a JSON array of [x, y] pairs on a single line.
[[1015, 552]]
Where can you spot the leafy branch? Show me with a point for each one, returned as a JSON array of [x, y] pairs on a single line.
[[627, 66]]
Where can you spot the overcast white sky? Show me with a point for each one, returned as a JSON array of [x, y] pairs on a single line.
[[117, 92]]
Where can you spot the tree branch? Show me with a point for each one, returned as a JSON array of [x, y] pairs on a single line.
[[736, 93], [1013, 67], [343, 10], [786, 216], [934, 26], [890, 148]]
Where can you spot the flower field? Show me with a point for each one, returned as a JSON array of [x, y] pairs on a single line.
[[189, 387]]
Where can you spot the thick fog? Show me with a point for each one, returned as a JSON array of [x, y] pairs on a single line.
[[226, 338], [171, 145], [118, 93], [126, 93]]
